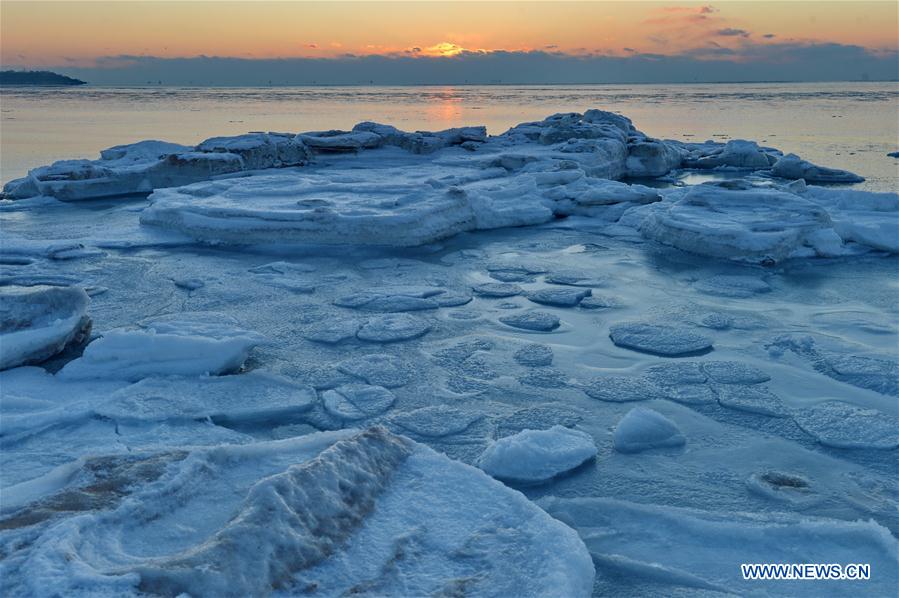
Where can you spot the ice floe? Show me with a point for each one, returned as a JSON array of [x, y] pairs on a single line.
[[391, 328], [187, 344], [537, 455], [841, 424], [659, 339], [40, 321], [539, 321]]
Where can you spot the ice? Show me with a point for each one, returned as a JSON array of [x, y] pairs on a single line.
[[744, 223], [643, 429], [534, 355], [497, 289], [754, 399], [391, 328], [436, 421], [538, 321], [340, 141], [792, 166], [357, 401], [843, 425], [613, 192], [651, 158], [659, 339], [733, 372], [382, 370], [677, 374], [247, 398], [279, 310], [398, 299], [574, 278], [636, 540], [188, 344], [40, 321], [260, 150], [123, 170], [622, 389], [333, 511], [333, 330], [558, 297], [732, 285], [537, 455]]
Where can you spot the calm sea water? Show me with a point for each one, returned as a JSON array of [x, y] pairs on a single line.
[[846, 125]]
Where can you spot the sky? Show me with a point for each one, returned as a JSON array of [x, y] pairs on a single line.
[[257, 42]]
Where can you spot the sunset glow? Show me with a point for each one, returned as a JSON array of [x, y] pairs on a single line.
[[40, 34]]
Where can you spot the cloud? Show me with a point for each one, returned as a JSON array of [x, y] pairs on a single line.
[[709, 63], [732, 32], [769, 36]]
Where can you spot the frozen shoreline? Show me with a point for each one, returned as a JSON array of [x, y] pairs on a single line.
[[458, 289]]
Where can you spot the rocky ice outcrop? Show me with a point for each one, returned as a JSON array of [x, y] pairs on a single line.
[[739, 221], [40, 321], [793, 167], [736, 153], [537, 455], [147, 165]]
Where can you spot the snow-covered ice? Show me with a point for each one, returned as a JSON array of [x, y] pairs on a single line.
[[287, 362]]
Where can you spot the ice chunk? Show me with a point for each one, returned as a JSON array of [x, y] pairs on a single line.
[[539, 321], [736, 153], [333, 330], [676, 374], [357, 401], [248, 398], [123, 170], [659, 339], [601, 193], [393, 299], [497, 289], [534, 355], [391, 328], [364, 207], [574, 278], [622, 389], [843, 425], [40, 321], [260, 150], [558, 297], [754, 399], [340, 141], [736, 222], [537, 455], [436, 421], [186, 345], [651, 158], [792, 166], [382, 370], [643, 429]]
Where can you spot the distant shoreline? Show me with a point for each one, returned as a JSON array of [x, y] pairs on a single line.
[[37, 79], [436, 85]]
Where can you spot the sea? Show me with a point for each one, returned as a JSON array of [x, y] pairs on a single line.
[[851, 125]]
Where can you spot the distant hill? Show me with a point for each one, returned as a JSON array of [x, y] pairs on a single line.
[[36, 78]]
